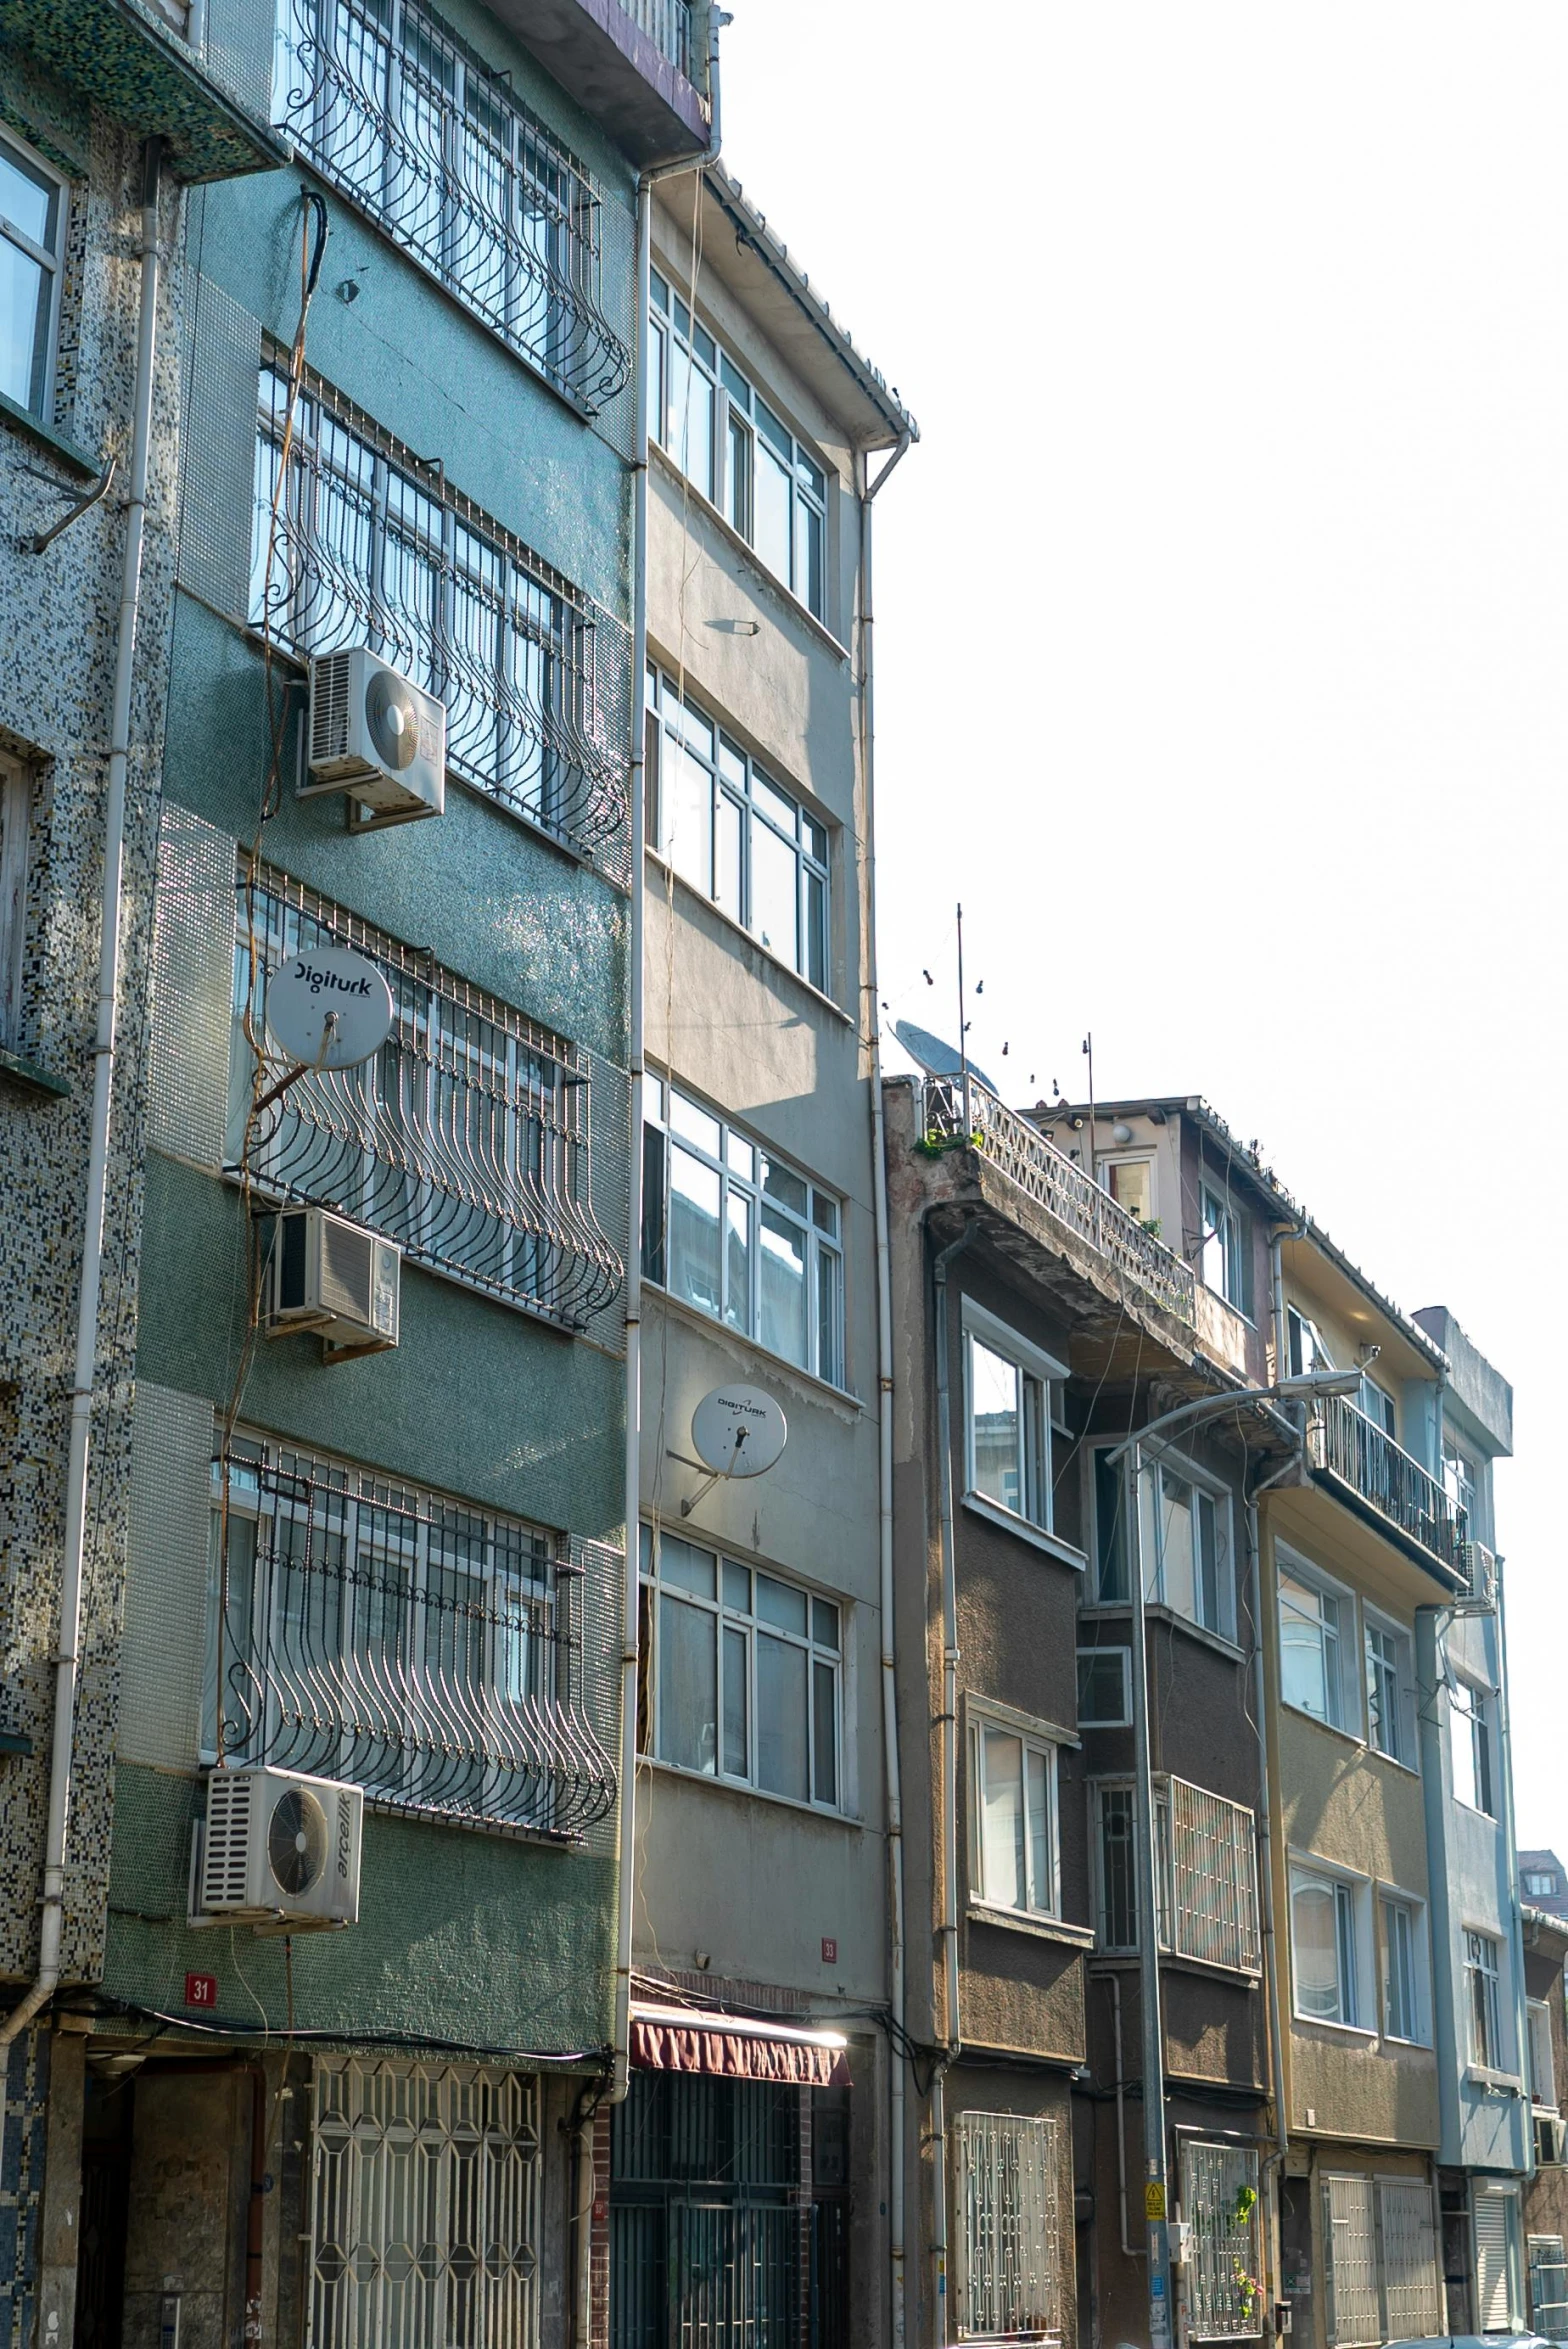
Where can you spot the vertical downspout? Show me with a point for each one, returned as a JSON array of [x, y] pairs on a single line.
[[1505, 1774], [891, 1765], [626, 1808], [1157, 2233], [949, 1728], [1275, 2163], [68, 1657]]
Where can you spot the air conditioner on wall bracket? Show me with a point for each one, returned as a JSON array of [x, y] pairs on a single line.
[[1481, 1571], [1549, 2132], [281, 1849], [377, 736], [324, 1273]]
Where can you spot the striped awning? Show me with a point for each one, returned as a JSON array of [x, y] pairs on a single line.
[[736, 2047]]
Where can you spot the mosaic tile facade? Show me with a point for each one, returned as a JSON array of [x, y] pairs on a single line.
[[23, 2116]]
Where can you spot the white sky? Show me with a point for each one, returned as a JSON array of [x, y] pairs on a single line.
[[1222, 610]]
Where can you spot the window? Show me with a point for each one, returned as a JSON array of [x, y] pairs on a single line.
[[747, 1679], [733, 448], [1130, 1182], [738, 1233], [1110, 1526], [445, 2156], [1118, 1888], [367, 1628], [1390, 1691], [1316, 1627], [1222, 1256], [1104, 1688], [1380, 2243], [1378, 1406], [1326, 1942], [1543, 2066], [736, 837], [32, 225], [1013, 1861], [412, 124], [1460, 1481], [1470, 1723], [1304, 1345], [1483, 1972], [1208, 1880], [1007, 1430], [466, 1138], [1219, 2201], [1541, 1886], [16, 814], [1009, 2246], [1192, 1555], [1404, 2005], [371, 547]]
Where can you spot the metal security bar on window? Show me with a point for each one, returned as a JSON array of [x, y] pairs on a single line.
[[370, 546], [1009, 2237], [424, 2206], [390, 104], [1065, 1191], [1346, 1444], [1214, 1879], [466, 1138], [1219, 2187], [1412, 2287], [413, 1645]]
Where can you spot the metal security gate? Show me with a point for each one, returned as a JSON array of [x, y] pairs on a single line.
[[1548, 2287]]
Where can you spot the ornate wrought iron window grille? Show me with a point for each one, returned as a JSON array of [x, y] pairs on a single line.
[[410, 123], [1219, 2188], [466, 1138], [1009, 2234], [373, 547], [363, 1628]]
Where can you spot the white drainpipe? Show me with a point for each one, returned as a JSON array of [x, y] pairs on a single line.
[[68, 1656]]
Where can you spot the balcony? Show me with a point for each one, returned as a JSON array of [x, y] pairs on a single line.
[[639, 69], [1142, 1265], [1369, 1469], [667, 24]]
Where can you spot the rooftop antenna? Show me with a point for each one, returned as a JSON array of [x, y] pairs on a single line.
[[963, 1031], [1088, 1046]]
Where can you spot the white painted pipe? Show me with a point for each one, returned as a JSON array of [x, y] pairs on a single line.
[[68, 1654]]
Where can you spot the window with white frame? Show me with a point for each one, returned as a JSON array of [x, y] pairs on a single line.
[[1009, 2263], [1470, 1743], [1377, 1404], [1460, 1480], [1304, 1344], [1007, 1418], [1380, 2260], [1543, 2062], [1108, 1501], [1483, 2001], [1130, 1182], [1013, 1818], [1317, 1629], [1104, 1688], [736, 1231], [16, 815], [1328, 1934], [1192, 1568], [1219, 2202], [735, 450], [741, 841], [1391, 1724], [1117, 1869], [1207, 1892], [1404, 1970], [32, 229], [746, 1674], [1222, 1252], [445, 2156]]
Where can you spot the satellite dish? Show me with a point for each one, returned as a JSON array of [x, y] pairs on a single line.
[[738, 1431], [935, 1057], [329, 983]]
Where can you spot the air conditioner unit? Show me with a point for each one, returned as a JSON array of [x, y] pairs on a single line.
[[376, 736], [324, 1273], [280, 1849], [1481, 1569], [1549, 2133]]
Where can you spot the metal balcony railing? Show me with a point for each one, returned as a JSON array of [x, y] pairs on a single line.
[[1044, 1174], [1344, 1443], [667, 24]]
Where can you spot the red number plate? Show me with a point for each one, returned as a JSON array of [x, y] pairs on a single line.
[[201, 1990]]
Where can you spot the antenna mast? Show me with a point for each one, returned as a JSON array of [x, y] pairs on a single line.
[[963, 1031]]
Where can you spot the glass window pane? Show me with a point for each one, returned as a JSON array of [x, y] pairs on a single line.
[[688, 1688], [735, 384], [773, 431], [703, 345], [740, 507], [1210, 1594], [742, 1157], [776, 805], [1177, 1587], [694, 1231], [1305, 1663], [772, 496], [1316, 1939], [814, 959], [781, 1603], [775, 893], [686, 1568], [661, 292], [830, 1315], [27, 197], [1110, 1502], [737, 1587], [824, 1214], [809, 568], [995, 1405], [781, 1715], [737, 1261], [688, 839], [691, 420], [824, 1733], [726, 857], [782, 1184], [25, 290], [735, 1701], [824, 1623], [782, 1304], [695, 1125], [1002, 1820], [1041, 1866], [1102, 1687]]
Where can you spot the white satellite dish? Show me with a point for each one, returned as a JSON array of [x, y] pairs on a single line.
[[738, 1431], [323, 984]]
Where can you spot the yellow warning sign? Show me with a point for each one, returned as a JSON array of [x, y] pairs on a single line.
[[1154, 2200]]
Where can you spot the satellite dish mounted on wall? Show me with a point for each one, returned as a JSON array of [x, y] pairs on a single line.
[[328, 1007], [737, 1431]]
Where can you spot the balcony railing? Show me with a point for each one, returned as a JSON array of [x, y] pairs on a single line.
[[1042, 1172], [1344, 1443], [667, 24]]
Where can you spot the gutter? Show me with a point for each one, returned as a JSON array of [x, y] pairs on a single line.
[[84, 1374]]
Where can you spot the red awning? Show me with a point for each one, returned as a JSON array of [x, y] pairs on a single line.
[[686, 2039]]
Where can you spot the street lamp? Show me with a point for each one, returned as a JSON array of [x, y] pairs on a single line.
[[1307, 1388]]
